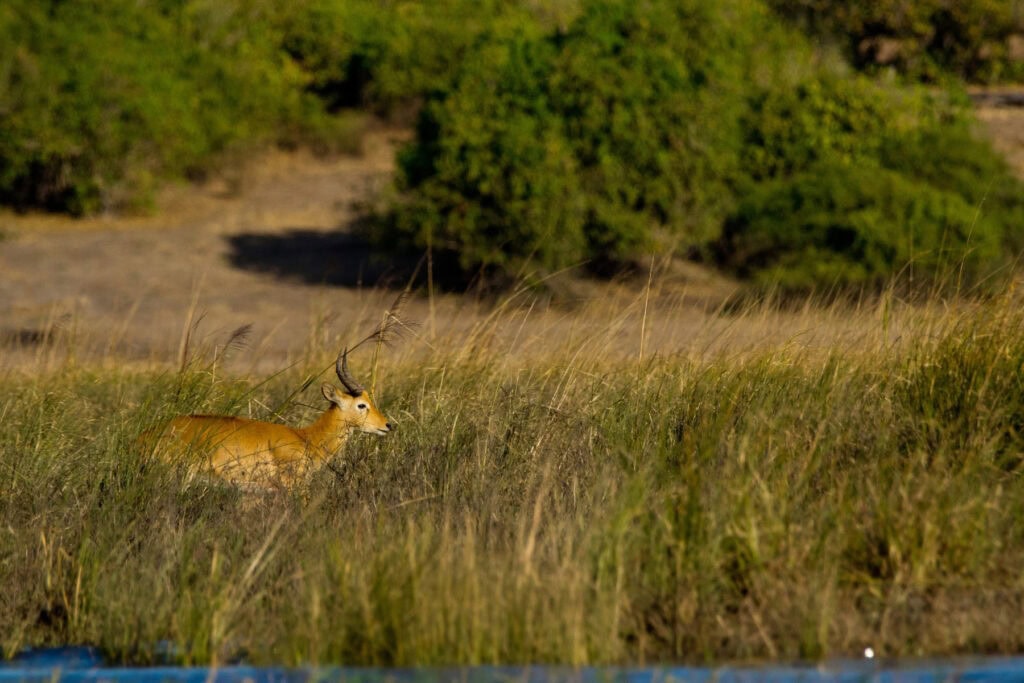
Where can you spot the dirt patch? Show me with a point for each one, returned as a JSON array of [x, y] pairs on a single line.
[[1001, 111], [264, 247], [1005, 127]]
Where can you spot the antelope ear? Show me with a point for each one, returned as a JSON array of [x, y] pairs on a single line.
[[329, 392]]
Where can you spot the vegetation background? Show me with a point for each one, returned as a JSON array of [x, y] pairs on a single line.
[[633, 478], [580, 132]]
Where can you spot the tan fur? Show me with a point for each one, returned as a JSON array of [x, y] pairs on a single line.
[[263, 454]]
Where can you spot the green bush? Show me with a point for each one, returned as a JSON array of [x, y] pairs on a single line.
[[492, 177], [614, 137], [389, 56], [851, 182], [952, 159], [856, 225], [641, 126], [588, 131], [649, 98], [318, 36], [100, 101], [424, 45], [829, 116]]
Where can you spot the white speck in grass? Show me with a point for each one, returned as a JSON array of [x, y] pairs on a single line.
[[869, 653]]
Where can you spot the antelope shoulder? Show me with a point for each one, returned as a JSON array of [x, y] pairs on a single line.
[[239, 450]]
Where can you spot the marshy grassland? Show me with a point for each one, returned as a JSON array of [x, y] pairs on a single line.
[[627, 481], [585, 471]]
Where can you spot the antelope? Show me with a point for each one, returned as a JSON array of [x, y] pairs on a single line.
[[259, 454]]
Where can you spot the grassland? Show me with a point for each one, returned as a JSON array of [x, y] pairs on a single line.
[[621, 482]]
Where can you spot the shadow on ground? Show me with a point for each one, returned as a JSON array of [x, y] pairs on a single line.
[[318, 257]]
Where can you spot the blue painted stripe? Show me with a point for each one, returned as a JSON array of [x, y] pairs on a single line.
[[84, 665]]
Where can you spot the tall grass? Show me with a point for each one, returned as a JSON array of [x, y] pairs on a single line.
[[550, 497]]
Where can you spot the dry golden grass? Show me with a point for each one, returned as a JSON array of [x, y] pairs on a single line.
[[633, 478]]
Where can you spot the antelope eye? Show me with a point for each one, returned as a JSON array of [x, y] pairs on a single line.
[[361, 406]]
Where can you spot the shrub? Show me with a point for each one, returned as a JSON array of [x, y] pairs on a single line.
[[389, 56], [829, 116], [856, 225], [101, 100], [648, 96], [851, 182], [98, 101], [594, 144], [424, 45], [950, 158], [491, 175]]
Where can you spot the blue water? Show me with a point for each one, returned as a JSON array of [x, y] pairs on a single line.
[[84, 665]]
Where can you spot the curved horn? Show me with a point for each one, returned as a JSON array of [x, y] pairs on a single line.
[[341, 367]]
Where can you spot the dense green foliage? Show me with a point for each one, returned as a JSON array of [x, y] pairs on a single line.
[[856, 226], [576, 508], [852, 182], [591, 132], [648, 126], [100, 100], [388, 55], [980, 40], [832, 117], [492, 177], [578, 145]]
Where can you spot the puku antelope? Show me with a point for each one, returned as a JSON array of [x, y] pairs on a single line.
[[261, 454]]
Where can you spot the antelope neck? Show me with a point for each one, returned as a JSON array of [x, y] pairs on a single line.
[[329, 432]]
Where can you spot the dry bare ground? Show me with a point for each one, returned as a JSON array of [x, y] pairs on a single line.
[[1002, 113], [270, 245], [260, 247]]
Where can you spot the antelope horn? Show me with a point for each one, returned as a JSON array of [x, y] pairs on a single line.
[[341, 367]]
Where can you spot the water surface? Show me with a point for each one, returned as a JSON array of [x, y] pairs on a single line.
[[85, 665]]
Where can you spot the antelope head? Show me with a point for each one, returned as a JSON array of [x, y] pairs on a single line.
[[357, 410]]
